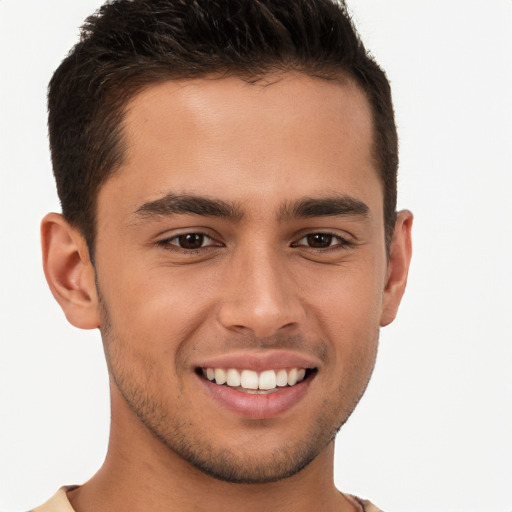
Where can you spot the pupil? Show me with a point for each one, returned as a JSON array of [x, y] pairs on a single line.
[[319, 240], [191, 241]]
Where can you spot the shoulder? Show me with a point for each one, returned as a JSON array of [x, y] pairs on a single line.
[[363, 505], [58, 502], [369, 507]]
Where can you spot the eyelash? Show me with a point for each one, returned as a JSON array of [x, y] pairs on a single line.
[[168, 244], [341, 242]]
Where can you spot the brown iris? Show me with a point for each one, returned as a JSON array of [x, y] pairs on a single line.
[[191, 241], [319, 240]]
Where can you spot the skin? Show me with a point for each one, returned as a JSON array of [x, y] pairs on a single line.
[[257, 283]]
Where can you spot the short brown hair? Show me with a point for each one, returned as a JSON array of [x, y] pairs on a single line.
[[128, 44]]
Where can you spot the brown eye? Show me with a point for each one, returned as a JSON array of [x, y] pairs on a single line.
[[319, 240], [191, 241]]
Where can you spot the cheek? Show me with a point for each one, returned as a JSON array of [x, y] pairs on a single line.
[[347, 297], [152, 303], [153, 317], [346, 308], [352, 329]]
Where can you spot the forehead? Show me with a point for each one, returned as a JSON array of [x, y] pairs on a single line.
[[289, 135]]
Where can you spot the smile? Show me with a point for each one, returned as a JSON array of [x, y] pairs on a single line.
[[250, 381]]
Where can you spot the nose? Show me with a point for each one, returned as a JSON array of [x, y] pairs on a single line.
[[260, 296]]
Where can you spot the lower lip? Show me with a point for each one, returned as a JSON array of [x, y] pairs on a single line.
[[257, 406]]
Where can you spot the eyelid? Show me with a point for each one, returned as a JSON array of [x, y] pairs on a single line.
[[344, 241], [176, 237], [166, 241]]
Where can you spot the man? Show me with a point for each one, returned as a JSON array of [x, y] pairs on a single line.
[[227, 174]]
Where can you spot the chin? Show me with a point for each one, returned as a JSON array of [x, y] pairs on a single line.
[[228, 466]]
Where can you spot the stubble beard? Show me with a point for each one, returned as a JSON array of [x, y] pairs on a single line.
[[220, 462]]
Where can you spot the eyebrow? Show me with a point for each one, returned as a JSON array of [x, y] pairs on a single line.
[[309, 207], [173, 203]]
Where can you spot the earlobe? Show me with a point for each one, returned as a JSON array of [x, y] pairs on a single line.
[[69, 271], [398, 267]]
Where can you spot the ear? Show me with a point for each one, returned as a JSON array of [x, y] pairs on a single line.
[[69, 271], [398, 267]]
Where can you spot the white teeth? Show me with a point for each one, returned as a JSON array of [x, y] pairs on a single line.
[[249, 379], [282, 378], [292, 377], [267, 379], [233, 378], [220, 376]]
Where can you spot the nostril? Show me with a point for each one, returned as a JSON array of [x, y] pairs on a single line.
[[263, 312]]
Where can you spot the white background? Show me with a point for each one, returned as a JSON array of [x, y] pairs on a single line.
[[434, 432]]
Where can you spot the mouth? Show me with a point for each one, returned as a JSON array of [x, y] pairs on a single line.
[[253, 382], [258, 385]]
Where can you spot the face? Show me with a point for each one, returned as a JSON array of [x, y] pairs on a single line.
[[243, 240]]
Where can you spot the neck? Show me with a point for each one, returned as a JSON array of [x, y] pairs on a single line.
[[140, 471]]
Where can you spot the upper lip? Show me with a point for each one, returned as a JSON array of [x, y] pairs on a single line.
[[259, 361]]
